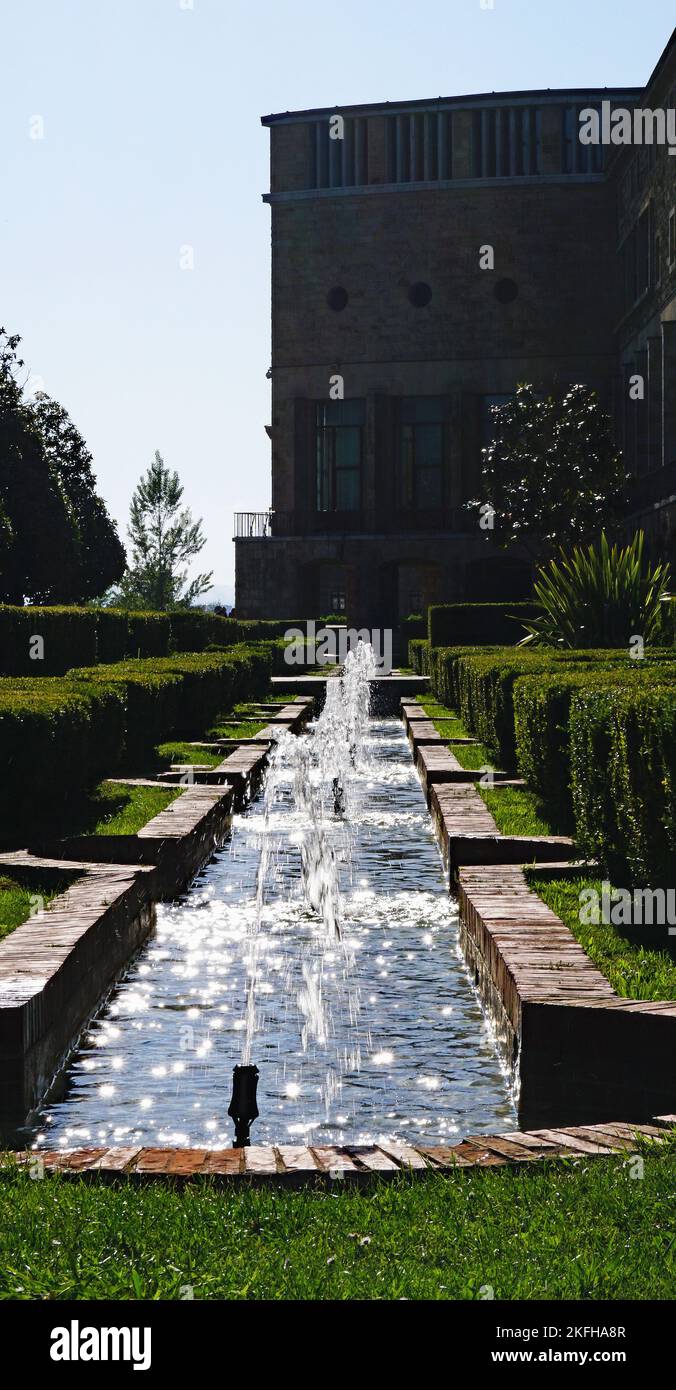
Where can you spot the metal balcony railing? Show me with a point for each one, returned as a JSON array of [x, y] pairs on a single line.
[[262, 525]]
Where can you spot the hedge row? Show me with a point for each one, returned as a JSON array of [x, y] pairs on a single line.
[[181, 694], [481, 684], [60, 735], [49, 641], [543, 720], [418, 655], [623, 771], [592, 732], [476, 624]]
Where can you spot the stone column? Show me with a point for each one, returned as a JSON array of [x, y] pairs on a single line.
[[550, 161], [377, 150], [462, 144]]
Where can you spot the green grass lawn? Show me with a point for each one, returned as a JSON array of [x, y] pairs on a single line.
[[111, 808], [182, 752], [641, 965], [472, 755], [517, 811], [123, 810], [580, 1230], [18, 900]]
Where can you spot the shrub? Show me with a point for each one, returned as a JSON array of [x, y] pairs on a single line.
[[152, 698], [623, 776], [68, 634], [600, 596], [666, 631], [112, 636], [192, 630], [418, 650], [57, 737], [542, 719], [477, 624], [148, 634]]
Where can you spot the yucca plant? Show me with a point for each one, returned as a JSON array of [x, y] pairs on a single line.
[[599, 596]]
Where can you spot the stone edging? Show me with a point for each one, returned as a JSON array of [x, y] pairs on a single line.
[[299, 1165], [580, 1053]]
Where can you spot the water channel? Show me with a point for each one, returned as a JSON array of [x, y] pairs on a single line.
[[321, 944]]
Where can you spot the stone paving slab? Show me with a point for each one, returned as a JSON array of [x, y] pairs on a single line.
[[299, 1164]]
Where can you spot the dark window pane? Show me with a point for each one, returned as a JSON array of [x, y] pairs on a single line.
[[348, 447], [421, 452], [338, 455], [347, 490], [428, 488]]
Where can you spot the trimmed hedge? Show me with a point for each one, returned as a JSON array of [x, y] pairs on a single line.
[[67, 635], [418, 655], [479, 684], [181, 693], [151, 696], [57, 737], [149, 634], [542, 720], [667, 627], [60, 735], [478, 624], [112, 636], [623, 772], [88, 636]]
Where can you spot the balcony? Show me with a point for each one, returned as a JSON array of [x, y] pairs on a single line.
[[261, 525], [383, 521]]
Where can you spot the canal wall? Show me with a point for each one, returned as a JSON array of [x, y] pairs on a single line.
[[580, 1053]]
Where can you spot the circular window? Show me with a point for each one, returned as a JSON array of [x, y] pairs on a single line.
[[505, 291], [337, 298], [420, 295]]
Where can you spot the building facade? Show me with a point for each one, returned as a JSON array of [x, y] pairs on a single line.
[[427, 258]]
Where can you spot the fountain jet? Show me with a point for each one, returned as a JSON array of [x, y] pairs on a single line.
[[243, 1108]]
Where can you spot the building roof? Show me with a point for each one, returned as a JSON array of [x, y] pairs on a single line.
[[534, 95]]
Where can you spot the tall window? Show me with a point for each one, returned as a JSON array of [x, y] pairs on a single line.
[[339, 431], [421, 453]]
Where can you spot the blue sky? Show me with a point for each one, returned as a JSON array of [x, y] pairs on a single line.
[[152, 141]]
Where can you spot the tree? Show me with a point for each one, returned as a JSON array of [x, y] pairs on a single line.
[[101, 555], [163, 538], [57, 542], [552, 472], [37, 543]]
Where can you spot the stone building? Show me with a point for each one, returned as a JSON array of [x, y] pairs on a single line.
[[424, 264], [643, 183]]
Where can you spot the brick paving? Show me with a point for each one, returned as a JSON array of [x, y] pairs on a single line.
[[298, 1164]]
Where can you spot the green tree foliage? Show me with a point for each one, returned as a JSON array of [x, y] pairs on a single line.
[[101, 554], [57, 542], [552, 473], [164, 538]]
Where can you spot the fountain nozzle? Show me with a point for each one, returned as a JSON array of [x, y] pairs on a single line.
[[243, 1108], [338, 797]]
